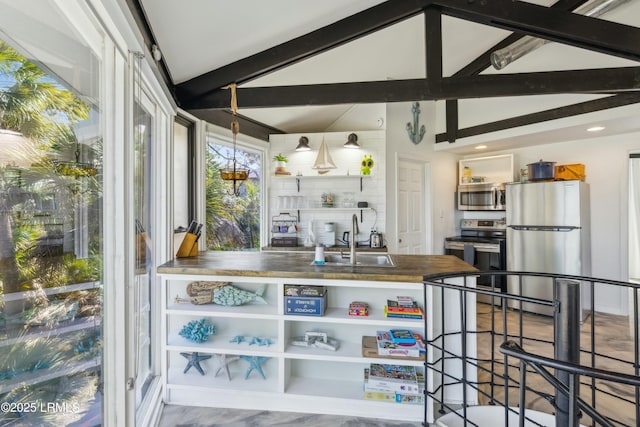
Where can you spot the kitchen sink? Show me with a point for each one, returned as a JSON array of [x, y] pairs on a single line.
[[362, 260]]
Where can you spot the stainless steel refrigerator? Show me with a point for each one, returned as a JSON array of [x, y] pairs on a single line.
[[548, 232]]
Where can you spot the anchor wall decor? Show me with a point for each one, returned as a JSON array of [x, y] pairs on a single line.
[[414, 136]]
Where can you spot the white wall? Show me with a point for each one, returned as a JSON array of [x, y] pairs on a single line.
[[442, 166], [362, 117], [347, 162]]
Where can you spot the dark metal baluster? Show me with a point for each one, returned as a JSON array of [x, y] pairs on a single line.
[[636, 350], [523, 390], [463, 349], [492, 334], [505, 361], [442, 351], [573, 419], [593, 348], [567, 341]]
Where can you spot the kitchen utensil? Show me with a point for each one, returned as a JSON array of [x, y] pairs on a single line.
[[541, 170], [375, 239], [345, 237]]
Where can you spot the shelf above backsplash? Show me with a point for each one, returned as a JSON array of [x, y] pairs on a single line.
[[299, 178]]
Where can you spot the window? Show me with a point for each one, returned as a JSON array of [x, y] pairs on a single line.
[[51, 252], [144, 152], [233, 222]]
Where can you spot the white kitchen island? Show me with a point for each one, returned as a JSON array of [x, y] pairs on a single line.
[[298, 379]]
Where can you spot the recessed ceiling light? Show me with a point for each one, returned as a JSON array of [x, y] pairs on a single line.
[[595, 129], [480, 147]]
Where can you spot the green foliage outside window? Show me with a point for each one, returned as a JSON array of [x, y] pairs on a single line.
[[233, 223]]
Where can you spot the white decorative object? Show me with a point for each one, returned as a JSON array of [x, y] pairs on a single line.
[[310, 241], [317, 340], [323, 162]]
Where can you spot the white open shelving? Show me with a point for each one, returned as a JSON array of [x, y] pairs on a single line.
[[312, 380]]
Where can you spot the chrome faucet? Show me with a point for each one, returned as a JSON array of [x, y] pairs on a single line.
[[352, 239]]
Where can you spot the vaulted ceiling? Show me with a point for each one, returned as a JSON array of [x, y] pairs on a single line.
[[299, 66]]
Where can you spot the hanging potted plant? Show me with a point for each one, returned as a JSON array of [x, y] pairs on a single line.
[[281, 163]]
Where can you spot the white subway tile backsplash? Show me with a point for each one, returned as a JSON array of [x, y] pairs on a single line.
[[343, 183]]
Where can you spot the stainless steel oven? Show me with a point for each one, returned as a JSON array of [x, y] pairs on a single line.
[[483, 244]]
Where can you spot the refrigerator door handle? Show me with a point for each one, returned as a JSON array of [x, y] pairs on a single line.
[[564, 228]]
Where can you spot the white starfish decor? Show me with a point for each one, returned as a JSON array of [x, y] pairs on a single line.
[[223, 361]]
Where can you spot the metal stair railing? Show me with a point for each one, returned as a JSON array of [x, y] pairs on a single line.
[[604, 368], [539, 364]]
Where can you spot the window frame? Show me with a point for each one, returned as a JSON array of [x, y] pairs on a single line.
[[243, 142]]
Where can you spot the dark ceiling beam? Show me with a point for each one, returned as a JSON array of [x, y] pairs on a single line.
[[539, 83], [248, 126], [551, 24], [303, 47], [216, 117], [433, 55], [479, 86], [139, 15], [483, 61], [600, 104], [433, 44]]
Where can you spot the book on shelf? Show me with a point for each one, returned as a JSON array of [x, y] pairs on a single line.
[[370, 349], [392, 378], [403, 308], [380, 395], [392, 309], [403, 398], [404, 301], [394, 315], [402, 336], [387, 347], [414, 397]]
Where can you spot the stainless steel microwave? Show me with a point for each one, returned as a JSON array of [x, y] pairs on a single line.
[[481, 197]]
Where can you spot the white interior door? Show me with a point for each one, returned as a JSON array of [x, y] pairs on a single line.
[[411, 208]]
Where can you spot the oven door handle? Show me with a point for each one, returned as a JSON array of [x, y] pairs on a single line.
[[479, 247], [486, 248], [494, 195]]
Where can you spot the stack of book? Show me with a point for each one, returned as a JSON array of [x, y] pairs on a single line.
[[394, 383], [403, 307]]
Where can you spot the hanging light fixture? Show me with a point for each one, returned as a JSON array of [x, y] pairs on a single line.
[[352, 141], [234, 173], [303, 144]]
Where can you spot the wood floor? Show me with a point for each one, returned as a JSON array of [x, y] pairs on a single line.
[[614, 353]]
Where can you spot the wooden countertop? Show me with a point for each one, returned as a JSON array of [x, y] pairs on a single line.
[[409, 268], [336, 248]]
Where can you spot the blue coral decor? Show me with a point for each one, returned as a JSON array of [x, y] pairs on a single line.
[[197, 331]]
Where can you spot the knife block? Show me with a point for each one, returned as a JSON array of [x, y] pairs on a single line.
[[188, 247]]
